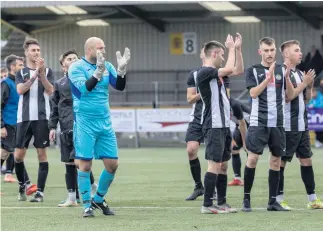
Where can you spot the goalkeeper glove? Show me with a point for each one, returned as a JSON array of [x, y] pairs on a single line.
[[100, 66], [123, 61]]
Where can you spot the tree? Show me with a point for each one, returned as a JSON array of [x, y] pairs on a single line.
[[5, 32]]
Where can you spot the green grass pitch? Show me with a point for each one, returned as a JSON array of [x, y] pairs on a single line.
[[149, 193]]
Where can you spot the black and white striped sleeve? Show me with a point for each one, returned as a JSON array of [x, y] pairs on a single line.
[[250, 78], [207, 74], [50, 76], [191, 80], [19, 78]]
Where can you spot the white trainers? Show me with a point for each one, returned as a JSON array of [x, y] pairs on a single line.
[[318, 144], [227, 207], [68, 203], [212, 210]]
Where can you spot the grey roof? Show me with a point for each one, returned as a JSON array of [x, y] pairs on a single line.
[[33, 15]]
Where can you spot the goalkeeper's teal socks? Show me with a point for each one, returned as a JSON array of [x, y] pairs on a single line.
[[84, 183], [105, 181]]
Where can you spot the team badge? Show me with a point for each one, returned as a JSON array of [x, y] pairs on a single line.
[[278, 77]]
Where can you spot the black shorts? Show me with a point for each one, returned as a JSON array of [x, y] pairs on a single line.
[[67, 147], [218, 144], [237, 139], [9, 142], [28, 129], [298, 142], [194, 132], [258, 137]]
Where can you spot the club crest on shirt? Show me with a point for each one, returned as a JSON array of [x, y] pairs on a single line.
[[278, 77]]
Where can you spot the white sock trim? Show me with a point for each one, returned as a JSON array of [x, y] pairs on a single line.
[[41, 193], [280, 198], [311, 197]]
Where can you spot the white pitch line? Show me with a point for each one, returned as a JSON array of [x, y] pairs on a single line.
[[134, 207]]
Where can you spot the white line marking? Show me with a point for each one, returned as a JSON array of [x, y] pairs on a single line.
[[134, 207]]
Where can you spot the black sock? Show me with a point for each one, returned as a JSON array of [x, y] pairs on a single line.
[[196, 172], [42, 176], [2, 161], [236, 165], [209, 186], [91, 178], [221, 186], [26, 177], [76, 185], [308, 179], [273, 182], [249, 176], [20, 173], [10, 164], [77, 194], [70, 177], [281, 181]]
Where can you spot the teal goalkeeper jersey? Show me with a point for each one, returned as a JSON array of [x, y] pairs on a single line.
[[93, 104]]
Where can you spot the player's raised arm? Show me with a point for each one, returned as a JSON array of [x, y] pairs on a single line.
[[22, 86], [258, 89], [239, 66], [290, 90], [213, 60], [47, 81], [118, 78], [309, 91], [229, 66], [308, 79], [78, 78]]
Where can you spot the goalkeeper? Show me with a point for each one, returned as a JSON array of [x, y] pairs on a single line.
[[93, 134]]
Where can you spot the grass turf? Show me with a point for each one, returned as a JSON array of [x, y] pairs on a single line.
[[149, 193]]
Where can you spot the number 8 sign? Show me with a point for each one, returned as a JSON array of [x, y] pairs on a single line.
[[190, 43]]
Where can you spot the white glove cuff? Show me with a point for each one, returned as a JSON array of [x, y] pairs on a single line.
[[121, 73], [97, 74]]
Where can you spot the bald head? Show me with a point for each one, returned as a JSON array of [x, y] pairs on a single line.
[[91, 43], [91, 46]]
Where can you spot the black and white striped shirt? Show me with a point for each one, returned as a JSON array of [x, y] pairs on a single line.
[[197, 107], [295, 111], [267, 109], [216, 103], [34, 104]]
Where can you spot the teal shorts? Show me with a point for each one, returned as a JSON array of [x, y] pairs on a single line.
[[94, 138]]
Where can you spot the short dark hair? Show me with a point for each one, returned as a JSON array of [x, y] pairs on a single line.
[[203, 46], [288, 43], [65, 54], [29, 42], [11, 60], [211, 45], [4, 69], [267, 40]]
